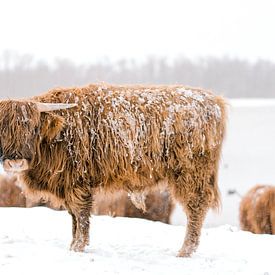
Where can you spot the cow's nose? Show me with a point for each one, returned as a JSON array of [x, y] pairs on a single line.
[[18, 164]]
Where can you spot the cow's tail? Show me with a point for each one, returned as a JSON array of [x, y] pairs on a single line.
[[221, 130], [216, 196]]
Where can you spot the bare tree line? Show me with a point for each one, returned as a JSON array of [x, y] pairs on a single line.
[[21, 76]]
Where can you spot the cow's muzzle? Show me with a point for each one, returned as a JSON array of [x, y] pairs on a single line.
[[15, 165]]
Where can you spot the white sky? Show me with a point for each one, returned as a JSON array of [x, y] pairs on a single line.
[[88, 30]]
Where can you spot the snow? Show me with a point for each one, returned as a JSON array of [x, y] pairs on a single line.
[[36, 240]]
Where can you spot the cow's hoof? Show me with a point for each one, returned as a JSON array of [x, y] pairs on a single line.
[[72, 245], [77, 247], [184, 254]]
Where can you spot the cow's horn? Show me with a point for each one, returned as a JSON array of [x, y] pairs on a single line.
[[47, 107]]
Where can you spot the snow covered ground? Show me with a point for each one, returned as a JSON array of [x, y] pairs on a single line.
[[36, 241]]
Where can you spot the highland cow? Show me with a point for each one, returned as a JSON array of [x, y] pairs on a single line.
[[69, 143], [158, 206], [257, 210]]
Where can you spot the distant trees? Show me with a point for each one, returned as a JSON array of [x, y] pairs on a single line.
[[21, 76]]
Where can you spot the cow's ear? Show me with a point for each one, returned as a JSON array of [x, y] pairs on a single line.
[[51, 126]]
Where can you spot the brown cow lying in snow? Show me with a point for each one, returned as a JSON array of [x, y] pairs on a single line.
[[71, 142], [158, 206], [257, 210], [10, 193]]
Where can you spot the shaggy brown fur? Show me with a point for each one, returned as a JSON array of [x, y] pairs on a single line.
[[257, 210], [10, 193], [158, 206], [119, 137]]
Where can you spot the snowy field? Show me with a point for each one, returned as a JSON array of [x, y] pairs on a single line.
[[35, 241]]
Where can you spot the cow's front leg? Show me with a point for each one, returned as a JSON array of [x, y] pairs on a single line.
[[80, 207], [81, 232], [74, 229], [80, 210]]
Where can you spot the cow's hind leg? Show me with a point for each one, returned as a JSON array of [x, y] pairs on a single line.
[[195, 204]]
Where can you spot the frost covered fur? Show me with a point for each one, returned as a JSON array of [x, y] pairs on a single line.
[[118, 137], [257, 210]]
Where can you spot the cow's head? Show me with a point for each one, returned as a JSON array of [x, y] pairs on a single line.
[[23, 126]]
